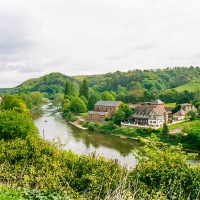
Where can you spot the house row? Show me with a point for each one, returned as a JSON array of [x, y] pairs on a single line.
[[153, 114]]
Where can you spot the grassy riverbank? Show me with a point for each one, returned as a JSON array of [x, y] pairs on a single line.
[[189, 137]]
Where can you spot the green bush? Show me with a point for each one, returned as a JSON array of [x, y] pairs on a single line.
[[163, 169], [36, 164], [70, 117], [14, 124]]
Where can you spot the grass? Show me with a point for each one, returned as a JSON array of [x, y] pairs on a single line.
[[83, 114], [188, 126], [191, 86], [170, 105]]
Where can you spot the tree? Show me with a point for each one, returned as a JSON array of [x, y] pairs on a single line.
[[118, 117], [92, 100], [191, 114], [126, 109], [58, 100], [107, 96], [69, 88], [84, 89], [77, 105], [14, 125], [177, 108], [84, 100], [122, 113], [165, 129], [11, 102], [66, 105]]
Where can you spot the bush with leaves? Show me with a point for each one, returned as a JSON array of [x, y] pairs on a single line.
[[14, 124], [77, 105], [164, 169]]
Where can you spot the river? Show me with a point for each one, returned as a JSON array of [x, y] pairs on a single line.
[[53, 127], [86, 142]]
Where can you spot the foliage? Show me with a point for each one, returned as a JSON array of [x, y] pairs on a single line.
[[119, 116], [58, 101], [163, 169], [39, 166], [84, 100], [69, 88], [66, 105], [10, 193], [191, 114], [42, 171], [14, 125], [33, 99], [165, 129], [84, 89], [11, 102], [122, 113], [92, 100], [130, 87], [36, 112], [176, 109], [106, 96], [70, 117], [77, 105]]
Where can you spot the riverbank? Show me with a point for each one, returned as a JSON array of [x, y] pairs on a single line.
[[77, 123]]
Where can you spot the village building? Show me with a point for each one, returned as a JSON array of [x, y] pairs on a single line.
[[179, 116], [185, 108], [103, 109], [149, 114], [188, 106]]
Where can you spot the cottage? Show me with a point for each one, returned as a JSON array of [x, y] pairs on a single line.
[[180, 115], [149, 114], [103, 109], [188, 106]]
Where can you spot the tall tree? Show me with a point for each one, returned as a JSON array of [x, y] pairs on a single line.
[[84, 89], [92, 100], [68, 88], [165, 129]]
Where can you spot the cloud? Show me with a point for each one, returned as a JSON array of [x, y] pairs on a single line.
[[96, 36]]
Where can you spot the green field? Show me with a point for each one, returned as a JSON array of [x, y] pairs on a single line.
[[192, 126], [170, 105], [191, 86]]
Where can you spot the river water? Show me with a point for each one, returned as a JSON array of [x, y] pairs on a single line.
[[53, 127]]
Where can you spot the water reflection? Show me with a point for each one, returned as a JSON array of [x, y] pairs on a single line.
[[86, 142]]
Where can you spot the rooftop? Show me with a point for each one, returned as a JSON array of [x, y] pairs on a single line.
[[107, 103]]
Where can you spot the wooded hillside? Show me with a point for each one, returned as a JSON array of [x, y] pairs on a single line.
[[145, 83]]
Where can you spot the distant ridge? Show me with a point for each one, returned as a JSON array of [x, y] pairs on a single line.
[[179, 78]]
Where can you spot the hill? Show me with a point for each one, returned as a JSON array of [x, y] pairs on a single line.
[[191, 86], [131, 86], [51, 84]]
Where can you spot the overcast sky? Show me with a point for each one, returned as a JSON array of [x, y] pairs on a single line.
[[76, 37]]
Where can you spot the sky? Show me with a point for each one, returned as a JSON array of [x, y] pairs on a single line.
[[77, 37]]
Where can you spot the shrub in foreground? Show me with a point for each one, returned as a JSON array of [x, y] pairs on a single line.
[[14, 124]]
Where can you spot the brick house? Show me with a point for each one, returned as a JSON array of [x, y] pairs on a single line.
[[103, 109]]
